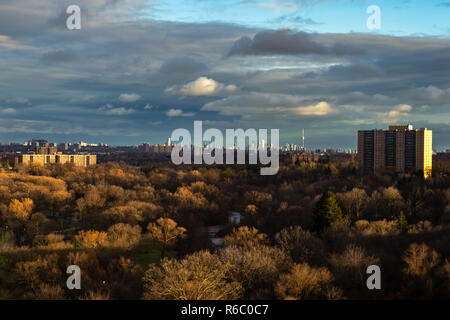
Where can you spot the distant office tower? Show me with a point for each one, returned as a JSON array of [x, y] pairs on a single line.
[[45, 150], [169, 142], [63, 146], [38, 143], [401, 147], [303, 139]]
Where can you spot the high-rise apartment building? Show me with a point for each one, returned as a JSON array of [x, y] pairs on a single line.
[[401, 147]]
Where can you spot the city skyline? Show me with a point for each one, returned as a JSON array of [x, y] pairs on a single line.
[[137, 70], [288, 146]]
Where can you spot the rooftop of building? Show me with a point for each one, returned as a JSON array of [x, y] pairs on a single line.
[[408, 127]]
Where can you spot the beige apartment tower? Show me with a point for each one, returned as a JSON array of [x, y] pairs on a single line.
[[401, 147]]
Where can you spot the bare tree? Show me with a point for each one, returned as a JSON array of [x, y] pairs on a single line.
[[166, 232]]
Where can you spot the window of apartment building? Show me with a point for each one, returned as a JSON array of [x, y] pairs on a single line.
[[369, 156], [390, 148], [410, 151]]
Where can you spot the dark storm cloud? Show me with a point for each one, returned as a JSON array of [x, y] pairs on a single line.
[[26, 18], [357, 69], [183, 65], [58, 20], [59, 56], [398, 79], [287, 42], [179, 70]]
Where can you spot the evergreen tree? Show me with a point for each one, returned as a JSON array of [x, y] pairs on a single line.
[[6, 165], [402, 222], [327, 211]]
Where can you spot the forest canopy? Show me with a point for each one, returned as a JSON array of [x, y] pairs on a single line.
[[309, 232]]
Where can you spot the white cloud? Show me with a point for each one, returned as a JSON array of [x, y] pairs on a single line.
[[403, 108], [393, 114], [320, 109], [278, 5], [8, 111], [268, 103], [203, 86], [178, 113], [8, 43], [114, 111], [85, 98], [430, 93], [399, 111], [148, 107], [358, 122], [129, 97]]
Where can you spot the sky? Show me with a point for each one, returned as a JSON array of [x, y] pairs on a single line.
[[139, 69]]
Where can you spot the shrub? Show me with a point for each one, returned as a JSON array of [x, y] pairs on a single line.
[[256, 268], [47, 240], [302, 245], [124, 279], [93, 273], [349, 268], [43, 270], [304, 282], [421, 281], [419, 260], [200, 276], [90, 239], [245, 237], [45, 292], [420, 227], [96, 295], [123, 235], [380, 227]]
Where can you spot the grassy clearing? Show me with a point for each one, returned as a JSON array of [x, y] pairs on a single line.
[[148, 252]]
